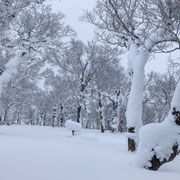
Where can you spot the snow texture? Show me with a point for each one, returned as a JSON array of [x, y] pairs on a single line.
[[137, 59], [45, 153]]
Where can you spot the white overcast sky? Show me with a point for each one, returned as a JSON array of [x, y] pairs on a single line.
[[73, 9]]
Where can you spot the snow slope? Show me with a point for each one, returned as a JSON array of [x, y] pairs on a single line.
[[45, 153]]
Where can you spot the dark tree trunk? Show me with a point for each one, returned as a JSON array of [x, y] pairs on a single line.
[[79, 113], [1, 121], [18, 118], [131, 141], [156, 163], [44, 118], [102, 128], [62, 116], [101, 113], [54, 117], [102, 125]]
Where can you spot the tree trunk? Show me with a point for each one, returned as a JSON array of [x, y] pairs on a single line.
[[102, 128], [131, 141], [137, 61], [62, 116], [116, 112], [174, 118], [176, 99], [10, 69], [156, 163], [79, 114], [18, 118], [79, 108], [173, 115], [54, 116], [44, 118], [101, 114], [134, 107], [5, 116]]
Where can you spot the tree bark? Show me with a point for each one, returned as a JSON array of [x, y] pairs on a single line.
[[131, 141]]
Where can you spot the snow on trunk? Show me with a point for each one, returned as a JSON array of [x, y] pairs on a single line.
[[159, 142], [174, 104], [136, 61], [10, 70]]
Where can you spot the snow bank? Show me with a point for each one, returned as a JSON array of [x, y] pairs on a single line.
[[156, 139], [73, 126]]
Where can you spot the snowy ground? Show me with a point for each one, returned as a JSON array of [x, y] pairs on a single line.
[[44, 153]]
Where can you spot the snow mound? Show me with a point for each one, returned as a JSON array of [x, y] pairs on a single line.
[[156, 139], [73, 126]]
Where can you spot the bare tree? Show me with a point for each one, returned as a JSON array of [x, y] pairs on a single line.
[[168, 22]]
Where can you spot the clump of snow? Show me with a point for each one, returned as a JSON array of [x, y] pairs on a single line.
[[160, 138], [132, 136], [73, 126], [10, 70], [156, 139]]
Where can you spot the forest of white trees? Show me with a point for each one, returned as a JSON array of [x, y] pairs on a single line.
[[48, 76]]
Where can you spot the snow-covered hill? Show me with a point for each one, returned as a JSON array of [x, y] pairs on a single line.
[[44, 153]]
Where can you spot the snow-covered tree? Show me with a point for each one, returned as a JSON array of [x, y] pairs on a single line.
[[111, 85], [159, 89], [9, 12], [131, 25], [79, 64], [159, 151], [29, 37]]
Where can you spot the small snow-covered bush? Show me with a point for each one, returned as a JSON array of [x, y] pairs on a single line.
[[73, 126], [159, 142]]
